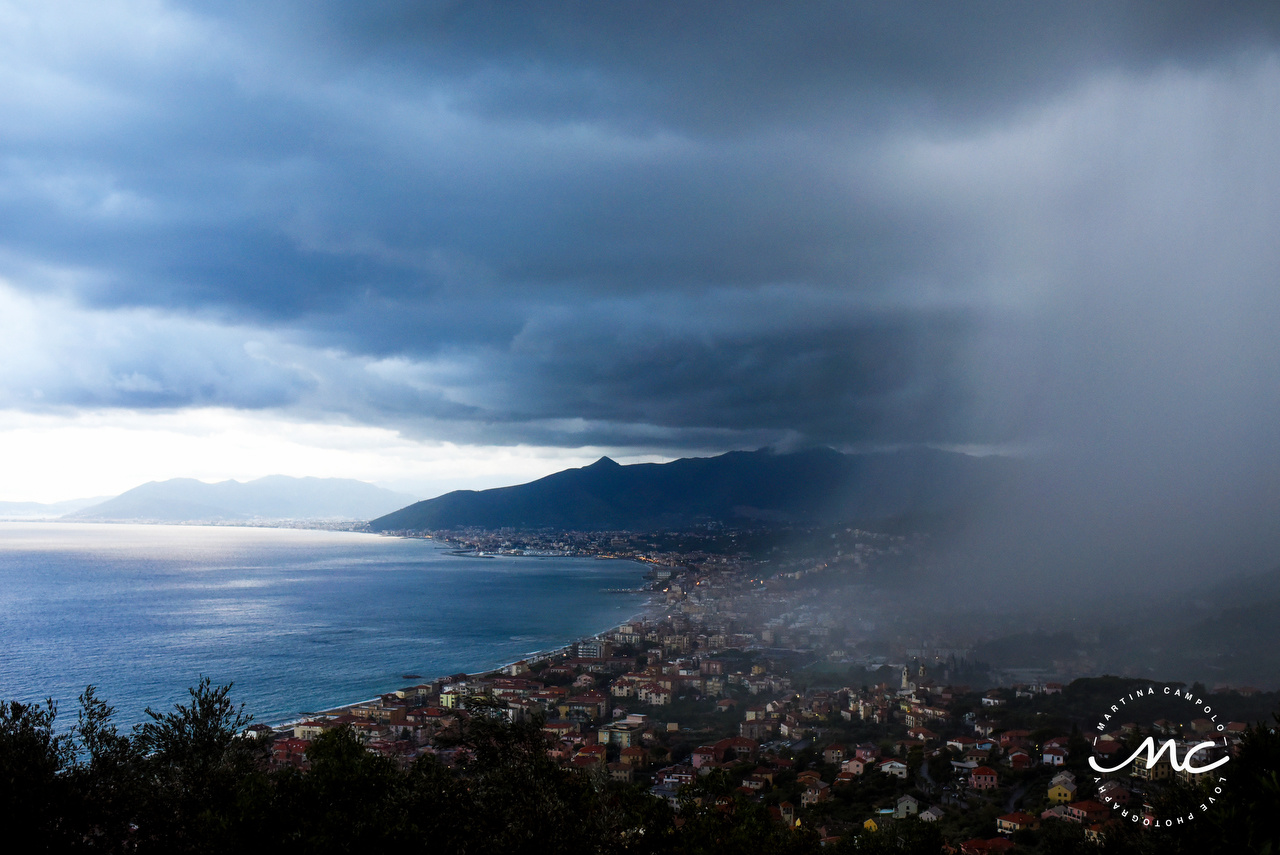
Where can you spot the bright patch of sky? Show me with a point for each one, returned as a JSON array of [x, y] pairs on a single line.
[[51, 458]]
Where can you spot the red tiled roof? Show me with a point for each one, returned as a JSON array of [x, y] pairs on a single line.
[[997, 844], [1087, 806]]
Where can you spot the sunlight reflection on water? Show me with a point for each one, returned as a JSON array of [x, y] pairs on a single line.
[[298, 620]]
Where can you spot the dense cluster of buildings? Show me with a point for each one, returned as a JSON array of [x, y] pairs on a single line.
[[709, 682]]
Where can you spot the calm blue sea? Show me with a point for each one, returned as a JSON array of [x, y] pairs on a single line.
[[299, 620]]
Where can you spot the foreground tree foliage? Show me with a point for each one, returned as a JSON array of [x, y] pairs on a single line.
[[189, 781]]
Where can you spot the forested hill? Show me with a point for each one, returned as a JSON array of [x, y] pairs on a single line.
[[813, 486]]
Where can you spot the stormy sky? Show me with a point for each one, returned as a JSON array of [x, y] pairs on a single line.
[[439, 245]]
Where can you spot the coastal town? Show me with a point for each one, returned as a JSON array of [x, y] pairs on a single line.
[[745, 680]]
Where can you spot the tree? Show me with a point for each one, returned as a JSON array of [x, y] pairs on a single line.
[[200, 764], [349, 800], [1247, 810], [107, 781], [33, 789], [715, 823], [901, 837], [195, 738]]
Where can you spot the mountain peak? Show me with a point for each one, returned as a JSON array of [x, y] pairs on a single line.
[[739, 488]]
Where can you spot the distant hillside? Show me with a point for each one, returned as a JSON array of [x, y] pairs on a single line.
[[1229, 632], [1224, 632], [273, 497], [814, 486], [41, 510]]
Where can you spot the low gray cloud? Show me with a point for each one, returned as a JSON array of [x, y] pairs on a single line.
[[662, 228]]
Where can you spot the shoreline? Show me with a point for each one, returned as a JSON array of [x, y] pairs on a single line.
[[462, 551], [538, 655], [278, 691]]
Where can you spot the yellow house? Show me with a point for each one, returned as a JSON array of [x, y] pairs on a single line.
[[870, 825], [1061, 794], [1158, 771]]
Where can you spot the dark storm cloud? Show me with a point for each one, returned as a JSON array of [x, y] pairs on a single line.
[[838, 375], [657, 226], [735, 66]]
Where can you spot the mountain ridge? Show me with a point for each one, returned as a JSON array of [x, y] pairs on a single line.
[[817, 485]]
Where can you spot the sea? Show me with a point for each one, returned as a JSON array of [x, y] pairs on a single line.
[[297, 620]]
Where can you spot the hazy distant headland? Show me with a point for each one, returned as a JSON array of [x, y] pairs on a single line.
[[275, 497], [46, 510]]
